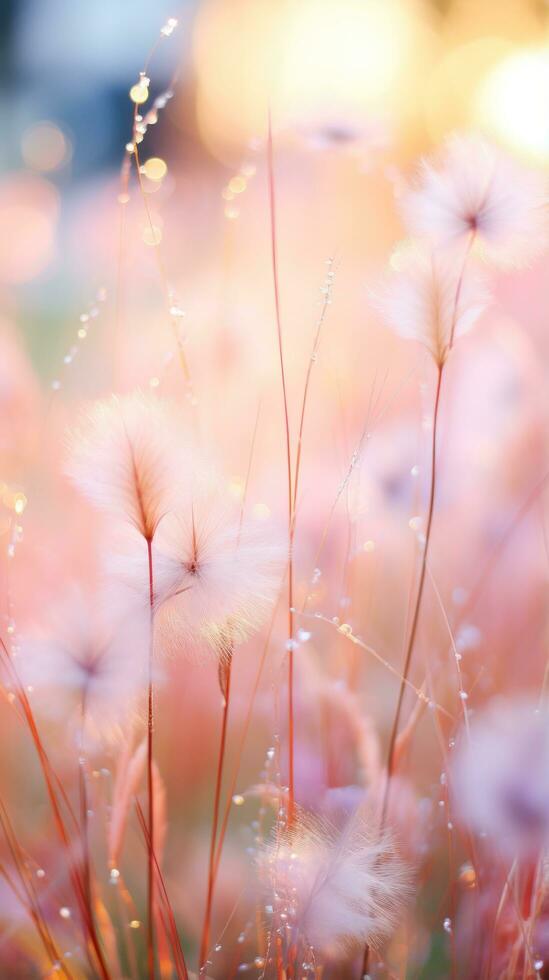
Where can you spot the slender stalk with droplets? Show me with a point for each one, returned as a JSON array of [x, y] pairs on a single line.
[[274, 265]]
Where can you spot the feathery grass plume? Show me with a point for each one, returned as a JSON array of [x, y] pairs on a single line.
[[84, 656], [500, 785], [341, 889], [477, 191], [430, 299], [215, 576], [123, 458]]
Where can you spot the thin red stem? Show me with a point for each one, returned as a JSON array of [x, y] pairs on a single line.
[[50, 780], [204, 945], [419, 597], [179, 958]]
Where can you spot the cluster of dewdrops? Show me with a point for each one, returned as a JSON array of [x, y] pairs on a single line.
[[139, 94], [85, 324]]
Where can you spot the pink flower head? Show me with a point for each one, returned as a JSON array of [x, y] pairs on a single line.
[[432, 299], [122, 458], [476, 191], [500, 783], [341, 889], [98, 667], [215, 577]]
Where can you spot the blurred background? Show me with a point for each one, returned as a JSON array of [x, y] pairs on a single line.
[[375, 81]]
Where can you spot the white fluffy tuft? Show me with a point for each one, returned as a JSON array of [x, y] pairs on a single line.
[[215, 577], [432, 298], [340, 889], [123, 456], [477, 189]]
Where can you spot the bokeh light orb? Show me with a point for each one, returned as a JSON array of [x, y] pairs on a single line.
[[303, 59], [513, 102], [45, 148]]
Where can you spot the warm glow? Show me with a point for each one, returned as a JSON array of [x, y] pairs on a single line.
[[139, 93], [513, 102], [155, 168], [451, 88], [312, 59]]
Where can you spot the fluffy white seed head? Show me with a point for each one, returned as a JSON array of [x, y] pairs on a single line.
[[431, 297], [215, 576], [477, 191], [500, 777], [341, 889], [123, 456]]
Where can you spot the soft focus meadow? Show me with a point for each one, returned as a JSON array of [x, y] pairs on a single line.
[[274, 489]]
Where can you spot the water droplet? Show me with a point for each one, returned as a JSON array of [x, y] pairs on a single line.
[[238, 800], [345, 629]]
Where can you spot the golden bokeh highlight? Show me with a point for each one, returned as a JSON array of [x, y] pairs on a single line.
[[155, 168], [139, 93]]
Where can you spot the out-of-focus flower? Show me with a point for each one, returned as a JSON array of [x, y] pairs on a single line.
[[95, 665], [340, 890], [123, 458], [432, 299], [500, 785], [215, 577], [476, 191]]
